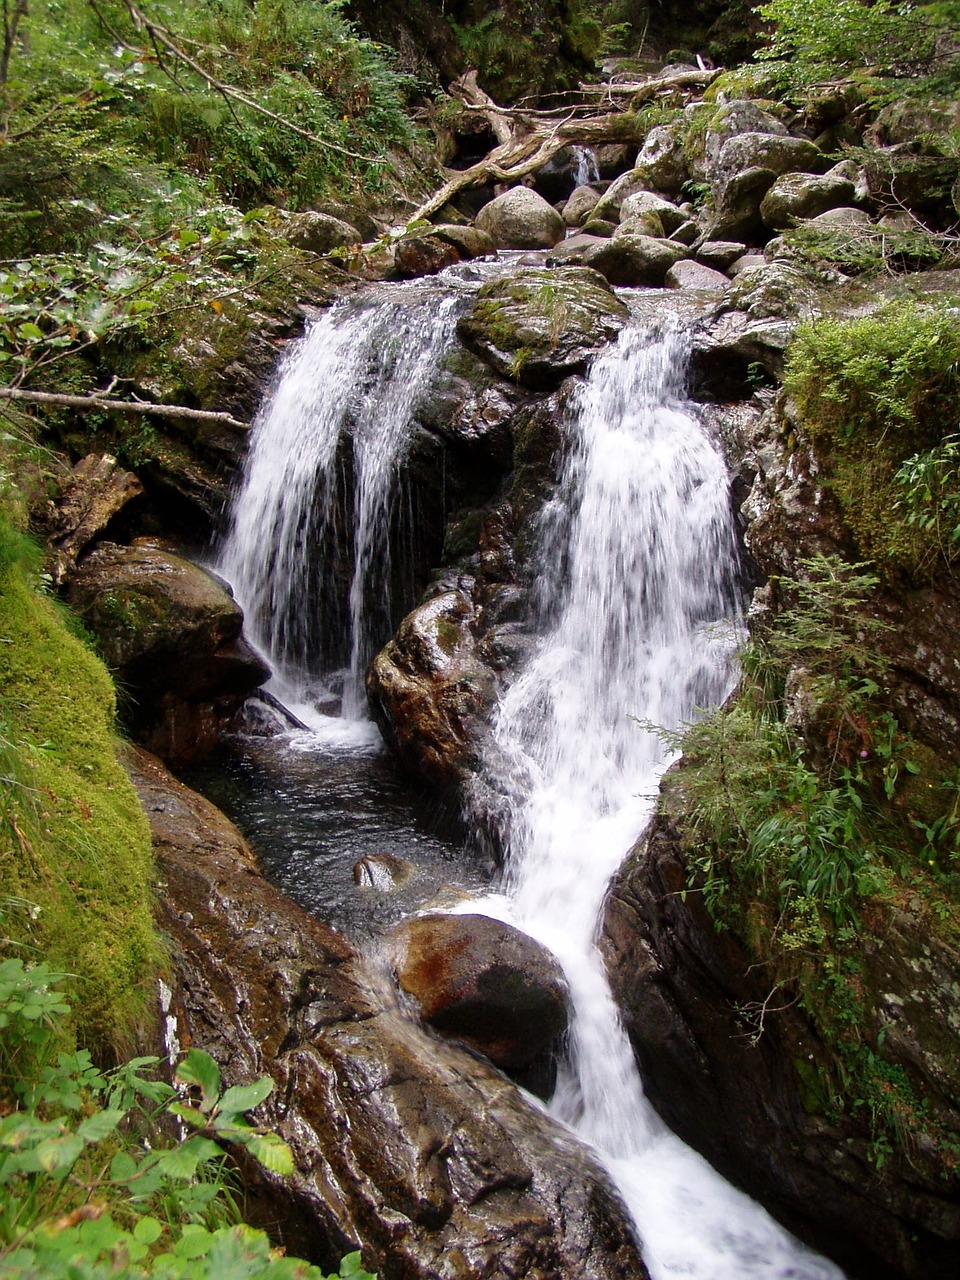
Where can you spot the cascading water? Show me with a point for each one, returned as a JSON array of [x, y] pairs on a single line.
[[586, 170], [637, 622], [308, 550], [637, 606]]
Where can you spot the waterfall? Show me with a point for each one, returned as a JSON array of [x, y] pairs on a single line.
[[586, 170], [638, 623], [308, 550], [637, 601]]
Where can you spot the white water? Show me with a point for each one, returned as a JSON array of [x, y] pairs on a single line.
[[638, 599], [638, 613], [319, 490], [586, 170]]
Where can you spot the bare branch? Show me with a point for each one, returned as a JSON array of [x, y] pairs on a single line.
[[174, 411]]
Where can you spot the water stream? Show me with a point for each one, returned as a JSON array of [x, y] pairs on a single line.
[[637, 605]]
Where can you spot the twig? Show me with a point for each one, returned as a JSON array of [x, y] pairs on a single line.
[[176, 411]]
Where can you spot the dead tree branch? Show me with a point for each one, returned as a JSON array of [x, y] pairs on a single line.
[[175, 411]]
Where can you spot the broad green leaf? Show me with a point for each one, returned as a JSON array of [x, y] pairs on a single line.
[[272, 1152], [147, 1230], [243, 1097], [198, 1068], [98, 1126]]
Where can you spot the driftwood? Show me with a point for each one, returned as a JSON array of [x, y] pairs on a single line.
[[527, 139], [175, 411]]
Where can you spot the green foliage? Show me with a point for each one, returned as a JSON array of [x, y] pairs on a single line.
[[95, 1183], [910, 47], [930, 494], [871, 393], [869, 250]]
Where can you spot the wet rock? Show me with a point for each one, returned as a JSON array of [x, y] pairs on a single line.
[[521, 219], [423, 1155], [774, 289], [795, 196], [540, 326], [470, 242], [90, 496], [383, 871], [423, 256], [752, 1102], [430, 693], [170, 632], [483, 983], [688, 274], [580, 205]]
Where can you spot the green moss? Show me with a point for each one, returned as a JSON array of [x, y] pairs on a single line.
[[870, 393], [74, 843]]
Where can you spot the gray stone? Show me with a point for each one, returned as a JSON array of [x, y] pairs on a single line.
[[795, 196], [521, 219], [643, 202], [737, 215], [642, 224], [320, 232], [765, 151], [773, 290], [746, 262], [687, 233], [579, 206], [598, 227], [843, 219], [719, 254], [628, 184], [688, 274], [740, 116], [662, 160], [634, 260]]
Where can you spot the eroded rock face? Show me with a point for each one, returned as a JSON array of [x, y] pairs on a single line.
[[751, 1102], [423, 1155], [484, 983], [91, 495], [171, 632]]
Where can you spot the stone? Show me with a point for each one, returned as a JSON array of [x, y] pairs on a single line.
[[539, 326], [843, 219], [521, 219], [630, 260], [470, 242], [409, 1147], [732, 118], [737, 215], [171, 633], [764, 151], [646, 202], [662, 161], [431, 694], [383, 872], [353, 216], [747, 261], [688, 274], [644, 224], [423, 255], [320, 233], [595, 227], [772, 290], [719, 254], [580, 205], [796, 196], [611, 202], [482, 983], [687, 233]]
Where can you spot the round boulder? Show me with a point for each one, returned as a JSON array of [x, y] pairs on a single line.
[[483, 983], [803, 195], [521, 219], [579, 207]]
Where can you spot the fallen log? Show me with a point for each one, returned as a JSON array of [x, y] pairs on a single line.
[[175, 411]]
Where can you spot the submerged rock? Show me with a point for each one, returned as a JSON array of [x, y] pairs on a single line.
[[423, 1155], [483, 983]]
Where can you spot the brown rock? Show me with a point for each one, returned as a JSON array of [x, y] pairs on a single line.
[[90, 496]]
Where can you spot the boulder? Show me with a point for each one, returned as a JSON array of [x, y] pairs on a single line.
[[643, 224], [774, 290], [688, 274], [538, 326], [431, 694], [580, 205], [171, 633], [720, 254], [842, 219], [795, 196], [470, 242], [687, 233], [662, 161], [320, 232], [423, 255], [633, 259], [628, 184], [594, 227], [383, 871], [647, 202], [353, 216], [521, 219], [764, 151], [482, 983], [421, 1154], [747, 261], [737, 214], [732, 118]]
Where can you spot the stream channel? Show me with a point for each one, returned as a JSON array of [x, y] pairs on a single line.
[[637, 610]]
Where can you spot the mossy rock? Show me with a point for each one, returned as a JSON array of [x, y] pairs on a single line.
[[539, 326]]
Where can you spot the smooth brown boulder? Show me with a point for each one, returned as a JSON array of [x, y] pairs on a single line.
[[483, 983]]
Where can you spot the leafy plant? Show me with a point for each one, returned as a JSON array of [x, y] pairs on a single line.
[[94, 1180], [930, 494]]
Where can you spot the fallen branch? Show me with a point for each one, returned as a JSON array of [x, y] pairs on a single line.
[[175, 411], [646, 90]]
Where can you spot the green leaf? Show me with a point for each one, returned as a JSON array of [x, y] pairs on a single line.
[[272, 1152], [246, 1096], [30, 332], [184, 1160], [198, 1068], [147, 1230], [99, 1126]]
